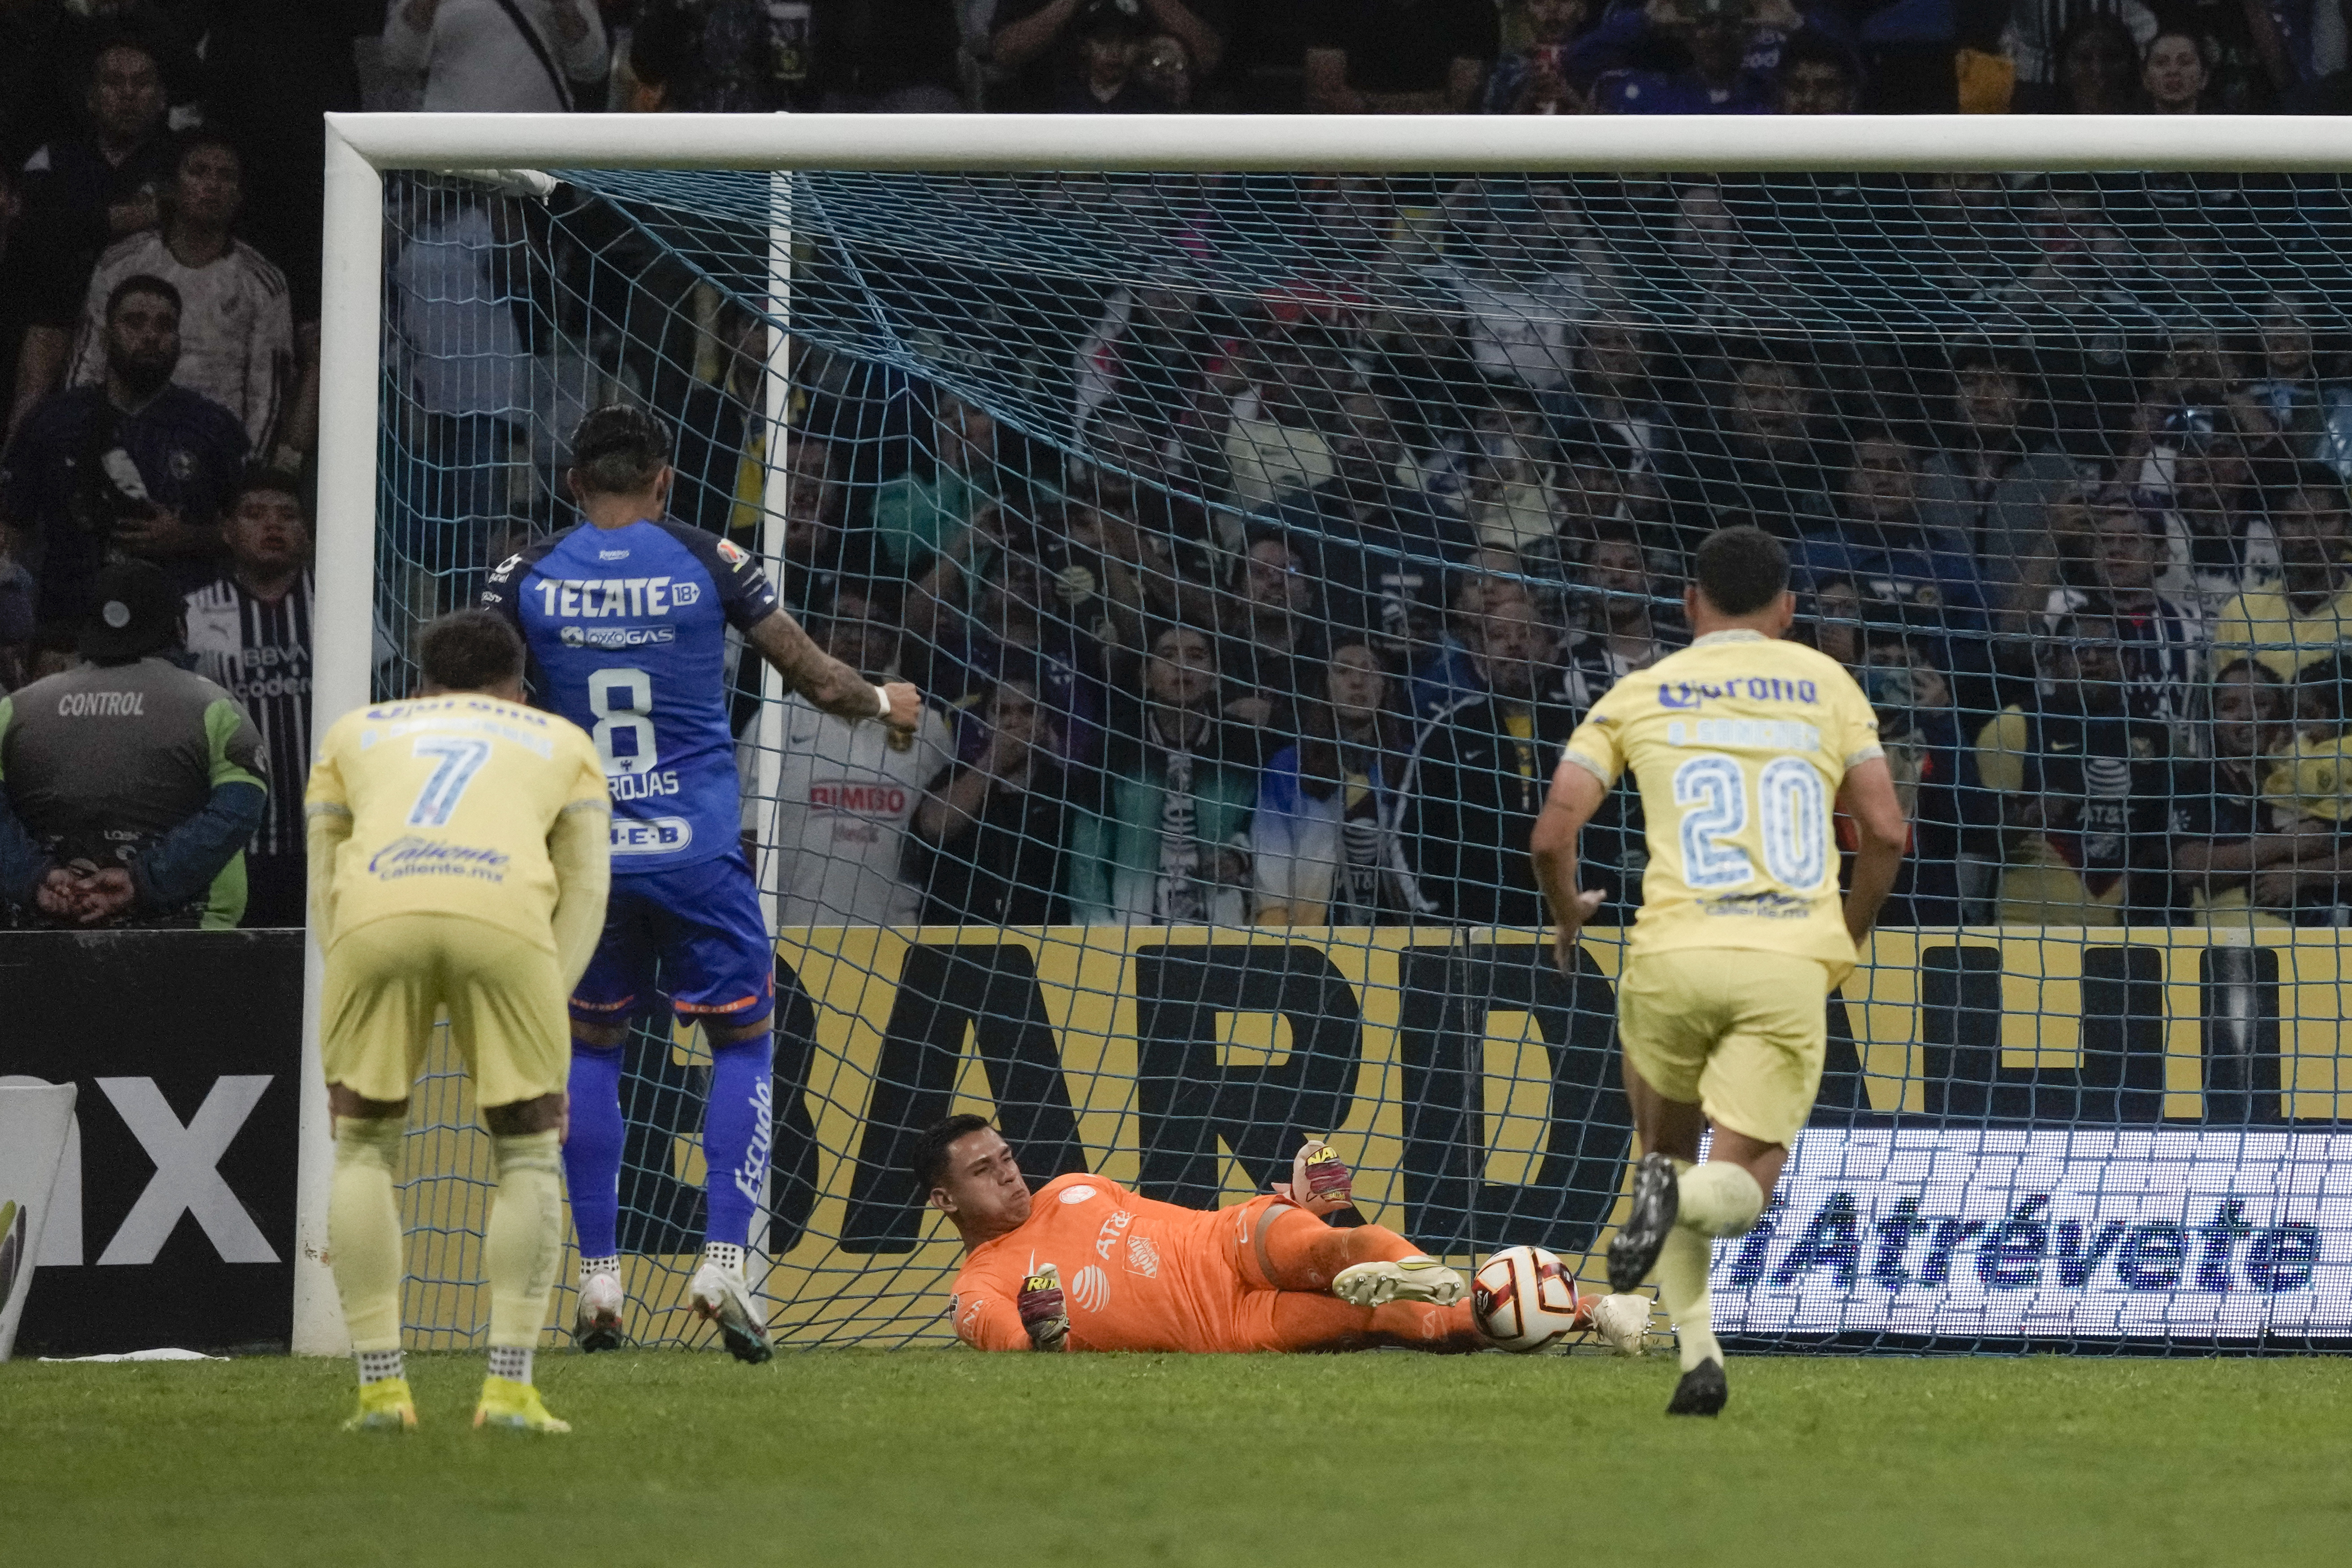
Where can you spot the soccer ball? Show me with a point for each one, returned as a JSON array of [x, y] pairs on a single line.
[[1524, 1299]]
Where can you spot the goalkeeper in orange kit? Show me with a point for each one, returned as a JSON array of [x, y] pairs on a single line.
[[1084, 1264]]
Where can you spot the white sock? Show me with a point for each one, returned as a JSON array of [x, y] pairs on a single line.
[[723, 1255], [1682, 1291], [511, 1363], [592, 1267], [377, 1366], [1718, 1199]]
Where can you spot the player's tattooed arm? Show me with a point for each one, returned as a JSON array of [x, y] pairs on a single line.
[[825, 681]]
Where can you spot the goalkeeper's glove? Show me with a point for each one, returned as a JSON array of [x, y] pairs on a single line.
[[1320, 1182], [1044, 1313]]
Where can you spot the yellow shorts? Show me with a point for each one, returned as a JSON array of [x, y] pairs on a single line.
[[1741, 1033], [388, 980]]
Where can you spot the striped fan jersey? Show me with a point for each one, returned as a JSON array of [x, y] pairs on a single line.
[[259, 653]]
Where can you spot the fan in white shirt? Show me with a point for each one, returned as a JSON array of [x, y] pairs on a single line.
[[476, 54], [845, 793], [236, 325]]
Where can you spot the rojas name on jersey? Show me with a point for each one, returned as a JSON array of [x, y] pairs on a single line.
[[592, 598], [641, 786]]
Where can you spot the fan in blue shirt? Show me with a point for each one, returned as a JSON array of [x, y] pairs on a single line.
[[625, 615]]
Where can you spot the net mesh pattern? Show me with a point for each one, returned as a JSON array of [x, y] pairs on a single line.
[[1257, 540]]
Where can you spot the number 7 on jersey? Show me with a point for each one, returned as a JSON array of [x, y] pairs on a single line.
[[460, 760]]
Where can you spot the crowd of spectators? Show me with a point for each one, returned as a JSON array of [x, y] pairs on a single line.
[[1282, 614], [160, 202], [1325, 674], [1323, 573], [1392, 57]]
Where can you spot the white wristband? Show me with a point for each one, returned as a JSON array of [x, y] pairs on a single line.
[[882, 695]]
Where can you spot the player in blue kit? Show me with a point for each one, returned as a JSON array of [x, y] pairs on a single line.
[[626, 615]]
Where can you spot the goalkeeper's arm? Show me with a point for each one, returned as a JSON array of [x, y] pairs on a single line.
[[1037, 1319], [829, 683]]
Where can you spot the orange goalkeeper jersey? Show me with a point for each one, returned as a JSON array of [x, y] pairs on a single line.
[[1138, 1274]]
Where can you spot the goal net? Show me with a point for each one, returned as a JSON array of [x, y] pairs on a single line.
[[1256, 539]]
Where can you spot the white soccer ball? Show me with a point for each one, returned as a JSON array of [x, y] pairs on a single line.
[[1524, 1299]]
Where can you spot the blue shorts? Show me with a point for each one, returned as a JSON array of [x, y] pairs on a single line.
[[704, 926]]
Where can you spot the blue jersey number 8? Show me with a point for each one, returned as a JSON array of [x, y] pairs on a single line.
[[622, 703]]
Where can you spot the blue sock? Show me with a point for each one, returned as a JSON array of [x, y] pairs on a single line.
[[737, 1131], [591, 1156]]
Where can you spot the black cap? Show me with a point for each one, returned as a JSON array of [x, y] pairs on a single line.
[[133, 611]]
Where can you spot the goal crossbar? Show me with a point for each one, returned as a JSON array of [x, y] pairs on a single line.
[[1354, 144]]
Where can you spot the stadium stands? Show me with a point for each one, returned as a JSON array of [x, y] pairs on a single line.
[[1971, 403]]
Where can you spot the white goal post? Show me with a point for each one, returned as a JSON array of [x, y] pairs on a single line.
[[510, 149]]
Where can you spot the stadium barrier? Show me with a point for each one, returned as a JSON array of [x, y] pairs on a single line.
[[2092, 1135], [171, 1221], [2102, 1135]]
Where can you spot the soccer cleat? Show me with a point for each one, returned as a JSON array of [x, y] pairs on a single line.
[[721, 1296], [597, 1324], [1633, 1250], [1413, 1279], [1621, 1322], [1702, 1391], [509, 1407], [386, 1406]]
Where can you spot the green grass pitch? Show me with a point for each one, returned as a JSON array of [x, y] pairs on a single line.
[[851, 1458]]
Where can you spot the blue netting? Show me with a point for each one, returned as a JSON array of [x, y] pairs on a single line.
[[2061, 464]]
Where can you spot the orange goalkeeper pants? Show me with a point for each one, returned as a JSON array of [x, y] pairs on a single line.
[[1286, 1259]]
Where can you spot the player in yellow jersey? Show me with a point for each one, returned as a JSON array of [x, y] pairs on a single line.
[[1740, 744], [459, 857]]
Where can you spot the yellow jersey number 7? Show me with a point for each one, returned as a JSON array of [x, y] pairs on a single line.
[[459, 760]]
